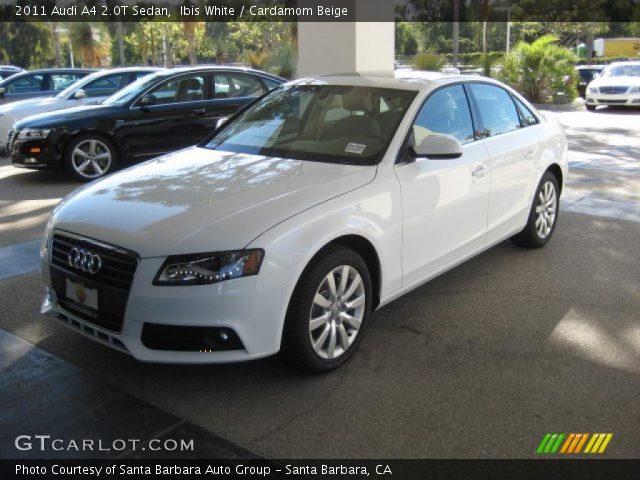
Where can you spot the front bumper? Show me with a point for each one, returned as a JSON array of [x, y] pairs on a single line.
[[255, 318], [36, 154], [627, 99]]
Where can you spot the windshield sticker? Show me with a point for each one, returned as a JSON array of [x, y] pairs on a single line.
[[355, 148]]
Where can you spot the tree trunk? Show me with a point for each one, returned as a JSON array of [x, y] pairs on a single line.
[[189, 29], [589, 42], [120, 43], [456, 31], [56, 45]]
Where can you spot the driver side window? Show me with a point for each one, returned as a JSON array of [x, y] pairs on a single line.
[[446, 111]]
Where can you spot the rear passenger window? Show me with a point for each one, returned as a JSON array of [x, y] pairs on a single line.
[[528, 118], [237, 86], [497, 110], [446, 111]]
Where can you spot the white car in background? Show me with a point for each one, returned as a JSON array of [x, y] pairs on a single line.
[[618, 84], [322, 201], [89, 90]]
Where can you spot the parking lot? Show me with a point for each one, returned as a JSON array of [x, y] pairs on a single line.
[[480, 362]]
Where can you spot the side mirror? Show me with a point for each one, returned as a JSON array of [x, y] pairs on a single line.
[[221, 121], [439, 147], [2, 91], [80, 93], [595, 75], [148, 100]]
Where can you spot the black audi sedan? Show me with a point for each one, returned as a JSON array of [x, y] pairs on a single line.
[[158, 114]]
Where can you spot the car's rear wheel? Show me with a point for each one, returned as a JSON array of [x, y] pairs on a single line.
[[90, 156], [543, 215], [328, 312]]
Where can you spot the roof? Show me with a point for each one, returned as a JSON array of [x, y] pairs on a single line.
[[195, 68], [401, 79]]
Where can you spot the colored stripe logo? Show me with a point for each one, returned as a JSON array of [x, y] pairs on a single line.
[[574, 443]]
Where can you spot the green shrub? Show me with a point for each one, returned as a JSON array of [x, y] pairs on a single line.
[[284, 62], [540, 70], [428, 61]]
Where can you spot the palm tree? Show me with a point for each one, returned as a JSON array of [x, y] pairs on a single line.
[[91, 42]]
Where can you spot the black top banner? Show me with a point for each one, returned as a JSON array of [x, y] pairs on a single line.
[[321, 10]]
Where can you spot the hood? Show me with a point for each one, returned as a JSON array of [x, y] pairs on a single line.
[[199, 200], [623, 81], [64, 115], [30, 104]]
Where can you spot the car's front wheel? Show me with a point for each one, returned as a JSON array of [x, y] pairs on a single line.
[[328, 312], [591, 108], [543, 215], [90, 156]]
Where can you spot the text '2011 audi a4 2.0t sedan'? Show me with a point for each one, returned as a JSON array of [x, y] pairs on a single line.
[[285, 228]]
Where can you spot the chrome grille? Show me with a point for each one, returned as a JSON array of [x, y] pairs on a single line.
[[118, 265], [613, 90]]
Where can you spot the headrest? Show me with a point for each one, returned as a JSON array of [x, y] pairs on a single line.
[[357, 102]]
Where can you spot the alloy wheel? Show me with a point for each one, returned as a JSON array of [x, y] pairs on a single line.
[[91, 158], [546, 209], [337, 312]]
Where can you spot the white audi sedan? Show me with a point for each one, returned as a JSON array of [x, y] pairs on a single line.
[[319, 203]]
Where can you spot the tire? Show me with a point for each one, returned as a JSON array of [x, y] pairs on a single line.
[[543, 216], [90, 156], [591, 108], [338, 324]]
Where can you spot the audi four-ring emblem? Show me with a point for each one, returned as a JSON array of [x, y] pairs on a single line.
[[84, 260]]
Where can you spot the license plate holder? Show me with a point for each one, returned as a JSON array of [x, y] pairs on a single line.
[[82, 296]]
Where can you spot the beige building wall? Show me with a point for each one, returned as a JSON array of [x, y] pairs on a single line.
[[348, 47]]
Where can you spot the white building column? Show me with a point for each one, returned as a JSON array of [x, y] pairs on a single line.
[[348, 47]]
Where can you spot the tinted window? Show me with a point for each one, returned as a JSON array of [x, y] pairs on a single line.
[[445, 111], [497, 110], [104, 86], [60, 81], [26, 84], [528, 118], [179, 90], [236, 85]]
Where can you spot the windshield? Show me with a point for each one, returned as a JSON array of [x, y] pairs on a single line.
[[326, 123], [631, 70], [133, 89]]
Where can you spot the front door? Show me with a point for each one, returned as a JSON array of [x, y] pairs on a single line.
[[182, 116], [444, 202]]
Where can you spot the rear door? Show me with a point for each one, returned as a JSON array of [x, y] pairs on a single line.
[[181, 117], [513, 146]]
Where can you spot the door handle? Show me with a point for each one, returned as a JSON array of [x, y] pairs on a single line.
[[529, 155], [479, 171], [200, 111]]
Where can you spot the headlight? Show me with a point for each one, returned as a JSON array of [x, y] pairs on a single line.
[[44, 246], [634, 89], [592, 90], [33, 134], [206, 268]]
